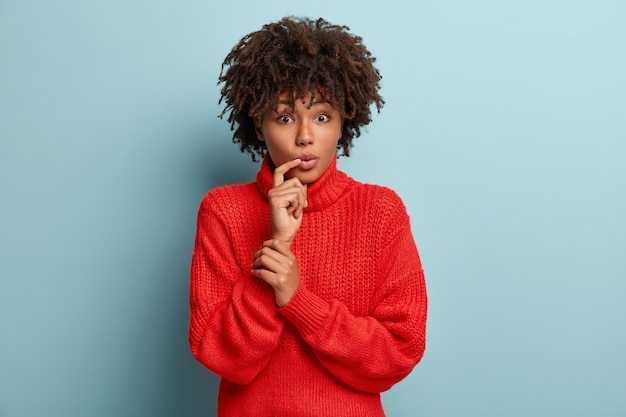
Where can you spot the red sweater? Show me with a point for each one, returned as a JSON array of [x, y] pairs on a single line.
[[355, 326]]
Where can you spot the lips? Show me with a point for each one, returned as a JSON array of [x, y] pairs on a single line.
[[308, 161]]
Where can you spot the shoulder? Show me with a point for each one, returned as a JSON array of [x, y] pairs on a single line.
[[222, 199], [381, 207], [380, 198]]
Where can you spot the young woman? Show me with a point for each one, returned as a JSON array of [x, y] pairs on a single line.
[[307, 293]]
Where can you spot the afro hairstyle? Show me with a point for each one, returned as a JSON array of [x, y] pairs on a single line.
[[301, 56]]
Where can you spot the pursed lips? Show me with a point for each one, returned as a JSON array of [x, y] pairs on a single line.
[[308, 161]]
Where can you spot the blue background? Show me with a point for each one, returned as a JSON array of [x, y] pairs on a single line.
[[504, 132]]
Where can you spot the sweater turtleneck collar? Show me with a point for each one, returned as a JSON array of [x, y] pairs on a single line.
[[320, 194]]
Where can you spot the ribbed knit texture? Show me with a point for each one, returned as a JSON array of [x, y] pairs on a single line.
[[355, 326]]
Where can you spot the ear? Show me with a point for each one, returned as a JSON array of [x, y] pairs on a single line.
[[258, 128]]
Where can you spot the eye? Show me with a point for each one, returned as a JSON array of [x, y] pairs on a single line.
[[323, 118], [283, 118]]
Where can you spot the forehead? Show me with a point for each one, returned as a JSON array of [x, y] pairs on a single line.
[[319, 95]]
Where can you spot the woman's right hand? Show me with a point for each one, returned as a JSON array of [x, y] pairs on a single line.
[[287, 200]]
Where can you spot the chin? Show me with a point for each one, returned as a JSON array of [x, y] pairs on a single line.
[[307, 177]]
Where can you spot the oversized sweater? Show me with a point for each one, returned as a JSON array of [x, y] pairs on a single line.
[[355, 326]]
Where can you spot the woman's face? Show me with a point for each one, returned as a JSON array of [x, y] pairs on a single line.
[[307, 133]]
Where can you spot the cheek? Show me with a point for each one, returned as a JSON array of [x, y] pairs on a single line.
[[339, 130]]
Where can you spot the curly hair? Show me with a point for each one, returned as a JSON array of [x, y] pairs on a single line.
[[298, 55]]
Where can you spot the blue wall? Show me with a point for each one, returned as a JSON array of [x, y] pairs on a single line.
[[504, 132]]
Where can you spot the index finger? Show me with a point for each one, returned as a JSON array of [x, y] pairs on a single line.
[[279, 173]]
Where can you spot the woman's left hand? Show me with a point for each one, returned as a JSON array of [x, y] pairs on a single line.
[[275, 264]]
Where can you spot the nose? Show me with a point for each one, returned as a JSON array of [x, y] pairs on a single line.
[[305, 134]]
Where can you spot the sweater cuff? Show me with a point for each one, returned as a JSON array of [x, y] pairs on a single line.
[[306, 311]]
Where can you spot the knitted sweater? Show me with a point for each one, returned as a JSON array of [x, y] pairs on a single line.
[[355, 326]]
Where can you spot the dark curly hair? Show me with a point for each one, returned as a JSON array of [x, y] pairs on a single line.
[[298, 55]]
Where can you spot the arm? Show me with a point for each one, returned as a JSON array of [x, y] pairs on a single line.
[[234, 326], [374, 352], [274, 263]]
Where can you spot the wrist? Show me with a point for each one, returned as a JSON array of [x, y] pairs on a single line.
[[285, 239], [283, 296]]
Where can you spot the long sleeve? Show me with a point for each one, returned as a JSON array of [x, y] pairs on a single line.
[[234, 326], [371, 352]]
